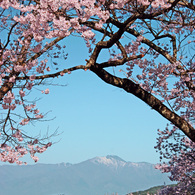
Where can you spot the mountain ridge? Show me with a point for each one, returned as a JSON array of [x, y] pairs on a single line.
[[95, 176]]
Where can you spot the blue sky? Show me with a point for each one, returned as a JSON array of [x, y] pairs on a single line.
[[97, 119], [94, 118]]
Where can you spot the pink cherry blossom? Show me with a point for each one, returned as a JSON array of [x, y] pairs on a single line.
[[8, 98], [22, 93], [155, 4], [47, 91], [35, 158], [12, 79], [32, 77], [145, 2]]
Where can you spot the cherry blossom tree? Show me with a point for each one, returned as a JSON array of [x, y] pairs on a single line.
[[152, 41], [177, 158]]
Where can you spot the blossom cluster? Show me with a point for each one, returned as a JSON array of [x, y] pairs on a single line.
[[13, 155], [179, 160]]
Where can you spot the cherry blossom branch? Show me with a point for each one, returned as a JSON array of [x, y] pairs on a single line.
[[158, 49], [8, 37], [146, 41], [59, 73], [7, 86], [114, 38], [118, 62]]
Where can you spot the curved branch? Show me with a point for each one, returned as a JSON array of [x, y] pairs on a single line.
[[54, 74], [135, 89], [9, 34], [119, 62]]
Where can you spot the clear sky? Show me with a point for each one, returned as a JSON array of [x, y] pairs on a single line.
[[94, 118], [98, 119]]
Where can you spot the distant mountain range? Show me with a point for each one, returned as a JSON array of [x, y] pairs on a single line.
[[96, 176]]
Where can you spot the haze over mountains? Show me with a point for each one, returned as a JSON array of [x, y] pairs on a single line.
[[96, 176]]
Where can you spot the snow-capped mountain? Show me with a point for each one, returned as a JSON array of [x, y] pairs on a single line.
[[96, 176], [110, 160]]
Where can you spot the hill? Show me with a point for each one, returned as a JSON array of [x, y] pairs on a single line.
[[150, 191]]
